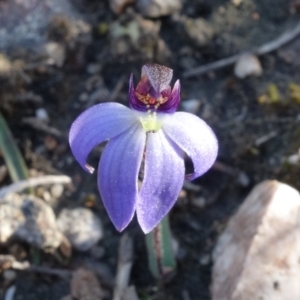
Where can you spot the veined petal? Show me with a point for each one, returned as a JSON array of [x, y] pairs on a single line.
[[159, 76], [97, 124], [118, 174], [195, 138], [163, 180]]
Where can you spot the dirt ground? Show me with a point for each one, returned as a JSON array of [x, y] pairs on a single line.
[[256, 120]]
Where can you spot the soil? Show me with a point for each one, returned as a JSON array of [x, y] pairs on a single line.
[[96, 69]]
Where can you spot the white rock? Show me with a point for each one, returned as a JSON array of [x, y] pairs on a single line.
[[9, 275], [42, 114], [57, 190], [56, 53], [158, 8], [29, 219], [248, 64], [236, 2], [117, 6], [81, 226], [257, 256]]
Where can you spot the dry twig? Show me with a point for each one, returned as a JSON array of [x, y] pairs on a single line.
[[283, 39], [32, 182], [9, 262], [41, 126]]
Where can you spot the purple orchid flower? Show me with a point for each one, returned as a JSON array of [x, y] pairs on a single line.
[[150, 132]]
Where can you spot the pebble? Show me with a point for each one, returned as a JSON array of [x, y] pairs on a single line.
[[5, 65], [93, 68], [247, 65], [42, 114], [204, 260], [118, 6], [236, 2], [85, 286], [28, 219], [84, 97], [199, 202], [257, 255], [199, 31], [81, 226], [158, 8], [56, 53], [57, 190], [243, 179], [47, 196], [9, 275], [293, 159]]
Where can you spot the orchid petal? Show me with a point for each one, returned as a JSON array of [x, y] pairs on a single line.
[[118, 175], [97, 124], [171, 105], [159, 76], [195, 138], [163, 180], [133, 101]]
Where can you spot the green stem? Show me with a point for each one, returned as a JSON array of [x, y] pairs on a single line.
[[160, 252], [12, 156]]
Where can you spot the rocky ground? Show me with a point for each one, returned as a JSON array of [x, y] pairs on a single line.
[[59, 58]]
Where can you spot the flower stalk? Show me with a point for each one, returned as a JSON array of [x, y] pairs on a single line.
[[160, 251]]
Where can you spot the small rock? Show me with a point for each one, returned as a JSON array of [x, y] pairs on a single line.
[[84, 97], [257, 255], [199, 202], [85, 286], [46, 196], [243, 179], [293, 159], [56, 53], [117, 6], [81, 226], [236, 2], [5, 65], [50, 143], [57, 190], [9, 275], [42, 114], [158, 8], [29, 219], [205, 259], [137, 35], [199, 31], [93, 68], [248, 64], [191, 105]]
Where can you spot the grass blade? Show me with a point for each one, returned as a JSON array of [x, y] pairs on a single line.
[[12, 155]]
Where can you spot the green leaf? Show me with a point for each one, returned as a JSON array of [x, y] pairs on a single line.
[[160, 251], [12, 156]]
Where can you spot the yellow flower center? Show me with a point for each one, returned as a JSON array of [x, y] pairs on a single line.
[[150, 122]]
